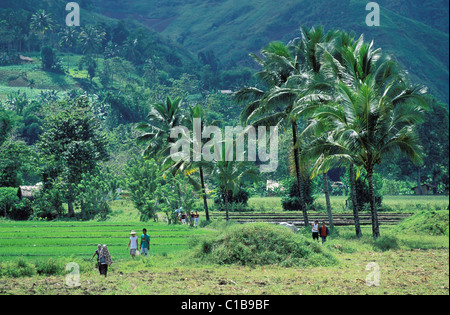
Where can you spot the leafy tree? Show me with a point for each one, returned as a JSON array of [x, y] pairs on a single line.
[[71, 144], [144, 182], [48, 58], [94, 191], [16, 158]]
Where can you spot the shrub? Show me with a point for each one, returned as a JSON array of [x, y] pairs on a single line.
[[12, 207], [426, 222], [385, 243], [8, 198], [50, 267], [263, 244], [236, 202], [17, 269], [292, 201]]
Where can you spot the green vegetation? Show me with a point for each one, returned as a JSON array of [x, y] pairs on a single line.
[[426, 222], [37, 252], [263, 244], [87, 123]]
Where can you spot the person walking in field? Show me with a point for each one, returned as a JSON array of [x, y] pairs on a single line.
[[324, 232], [196, 218], [133, 244], [145, 243], [97, 253], [105, 260], [315, 230]]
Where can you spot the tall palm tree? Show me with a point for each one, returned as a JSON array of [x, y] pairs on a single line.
[[41, 23], [278, 66], [163, 117], [377, 113], [189, 166], [291, 73], [69, 38], [91, 39]]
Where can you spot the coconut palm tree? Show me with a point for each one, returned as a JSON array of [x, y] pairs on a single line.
[[41, 23], [189, 166], [377, 111], [91, 39], [69, 38], [291, 73], [163, 117], [278, 66]]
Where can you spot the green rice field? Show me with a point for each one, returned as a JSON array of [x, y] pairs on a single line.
[[64, 239]]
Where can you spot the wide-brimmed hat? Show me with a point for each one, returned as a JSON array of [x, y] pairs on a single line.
[[133, 232]]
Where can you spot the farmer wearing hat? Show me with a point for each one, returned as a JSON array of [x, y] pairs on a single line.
[[133, 244]]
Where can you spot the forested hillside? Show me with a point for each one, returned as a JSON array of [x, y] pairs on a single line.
[[232, 28]]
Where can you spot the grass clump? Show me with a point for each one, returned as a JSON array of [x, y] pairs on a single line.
[[426, 222], [17, 269], [256, 244]]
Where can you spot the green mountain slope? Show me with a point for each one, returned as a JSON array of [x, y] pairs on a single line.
[[414, 32]]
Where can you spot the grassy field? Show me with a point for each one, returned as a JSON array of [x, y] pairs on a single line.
[[42, 240], [409, 262]]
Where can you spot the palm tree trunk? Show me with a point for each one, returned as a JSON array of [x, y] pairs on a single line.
[[354, 202], [297, 172], [327, 199], [373, 206], [205, 200], [419, 185], [226, 206]]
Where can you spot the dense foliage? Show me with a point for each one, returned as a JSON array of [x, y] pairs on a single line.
[[68, 119]]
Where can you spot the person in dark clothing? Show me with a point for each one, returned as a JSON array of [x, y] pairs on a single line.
[[324, 232]]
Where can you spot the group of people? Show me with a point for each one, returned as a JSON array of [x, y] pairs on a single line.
[[104, 258], [321, 231], [189, 218], [133, 244]]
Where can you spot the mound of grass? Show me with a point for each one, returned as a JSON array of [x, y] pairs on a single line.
[[425, 222], [263, 244]]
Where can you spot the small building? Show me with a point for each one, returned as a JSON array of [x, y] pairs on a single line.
[[227, 92], [24, 59], [28, 191], [427, 189]]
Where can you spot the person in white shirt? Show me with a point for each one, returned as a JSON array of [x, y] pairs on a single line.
[[133, 244], [315, 230]]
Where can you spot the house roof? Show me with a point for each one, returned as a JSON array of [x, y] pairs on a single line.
[[23, 58], [27, 191]]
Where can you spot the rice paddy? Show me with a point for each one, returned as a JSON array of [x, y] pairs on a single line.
[[80, 239]]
